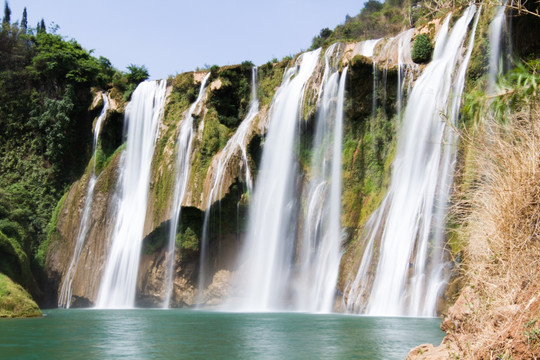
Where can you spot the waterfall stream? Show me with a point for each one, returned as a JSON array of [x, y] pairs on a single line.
[[320, 246], [265, 260], [183, 169], [495, 58], [143, 116], [404, 241], [64, 300]]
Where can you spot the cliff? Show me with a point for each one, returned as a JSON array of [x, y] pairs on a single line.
[[490, 307], [217, 117]]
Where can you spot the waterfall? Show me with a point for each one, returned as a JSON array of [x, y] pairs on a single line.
[[366, 48], [407, 231], [267, 255], [235, 146], [320, 247], [183, 169], [65, 291], [142, 118], [495, 59]]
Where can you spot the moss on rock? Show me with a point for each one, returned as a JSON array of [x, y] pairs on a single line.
[[15, 301]]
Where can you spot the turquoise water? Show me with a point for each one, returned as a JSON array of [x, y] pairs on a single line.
[[187, 334]]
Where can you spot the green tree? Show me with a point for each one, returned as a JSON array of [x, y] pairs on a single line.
[[136, 73], [7, 17], [24, 21], [63, 61], [41, 28], [320, 40], [371, 6]]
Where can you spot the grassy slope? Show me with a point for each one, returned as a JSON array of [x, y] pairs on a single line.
[[15, 301]]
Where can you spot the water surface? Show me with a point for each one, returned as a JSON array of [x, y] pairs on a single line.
[[187, 334]]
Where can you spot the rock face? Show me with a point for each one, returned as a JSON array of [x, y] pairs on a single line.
[[153, 270], [94, 254]]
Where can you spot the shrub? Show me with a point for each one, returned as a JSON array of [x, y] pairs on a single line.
[[422, 49]]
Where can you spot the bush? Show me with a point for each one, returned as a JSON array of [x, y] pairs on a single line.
[[422, 49], [188, 240]]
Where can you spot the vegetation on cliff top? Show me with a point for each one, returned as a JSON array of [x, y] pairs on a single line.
[[375, 20]]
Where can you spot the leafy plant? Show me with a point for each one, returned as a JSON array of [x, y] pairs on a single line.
[[519, 87], [187, 240], [422, 49]]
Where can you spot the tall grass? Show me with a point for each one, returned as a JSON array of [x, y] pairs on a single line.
[[500, 220]]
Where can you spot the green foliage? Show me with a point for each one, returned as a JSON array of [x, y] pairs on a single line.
[[51, 228], [372, 6], [231, 99], [422, 49], [24, 20], [517, 89], [189, 234], [368, 143], [375, 20], [63, 61], [185, 89], [127, 82], [15, 301], [214, 138], [270, 77], [320, 40], [41, 28], [45, 141], [6, 20], [137, 74], [184, 92], [246, 66], [187, 240], [55, 123], [103, 161], [532, 334], [13, 260]]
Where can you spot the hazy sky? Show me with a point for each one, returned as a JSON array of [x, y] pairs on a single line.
[[171, 37]]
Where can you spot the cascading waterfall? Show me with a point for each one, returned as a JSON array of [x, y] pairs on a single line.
[[65, 292], [265, 262], [143, 116], [409, 223], [183, 169], [236, 145], [495, 59], [366, 48], [320, 248]]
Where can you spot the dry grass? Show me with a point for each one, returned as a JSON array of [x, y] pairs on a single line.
[[498, 315]]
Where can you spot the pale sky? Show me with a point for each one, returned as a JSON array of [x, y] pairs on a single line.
[[170, 37]]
